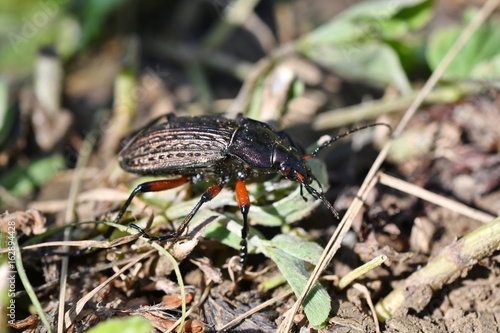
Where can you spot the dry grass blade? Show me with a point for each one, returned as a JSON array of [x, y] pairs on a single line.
[[95, 194], [85, 153], [370, 180], [368, 298], [79, 274], [363, 269], [434, 198], [265, 65], [84, 243]]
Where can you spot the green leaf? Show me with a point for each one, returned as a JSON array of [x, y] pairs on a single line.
[[287, 210], [487, 69], [415, 14], [298, 88], [374, 63], [298, 247], [28, 25], [477, 60], [256, 98], [291, 207], [23, 180], [94, 14], [226, 228], [371, 20], [317, 304], [132, 324], [355, 43]]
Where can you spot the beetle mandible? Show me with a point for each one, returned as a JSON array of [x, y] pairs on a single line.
[[225, 150]]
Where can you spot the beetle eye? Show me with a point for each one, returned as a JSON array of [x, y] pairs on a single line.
[[285, 169]]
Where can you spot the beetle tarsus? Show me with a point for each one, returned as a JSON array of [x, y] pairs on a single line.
[[153, 238]]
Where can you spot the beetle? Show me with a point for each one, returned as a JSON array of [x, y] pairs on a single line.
[[188, 149]]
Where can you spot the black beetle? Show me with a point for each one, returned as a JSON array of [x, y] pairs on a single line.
[[224, 150]]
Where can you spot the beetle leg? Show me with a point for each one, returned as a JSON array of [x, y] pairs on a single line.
[[319, 185], [244, 203], [153, 186], [211, 192], [302, 192]]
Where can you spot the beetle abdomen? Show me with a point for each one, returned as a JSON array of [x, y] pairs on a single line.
[[180, 144]]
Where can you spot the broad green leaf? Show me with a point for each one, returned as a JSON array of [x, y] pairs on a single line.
[[317, 304], [287, 210], [356, 43], [415, 14], [298, 247], [227, 230], [374, 63], [369, 20], [477, 60]]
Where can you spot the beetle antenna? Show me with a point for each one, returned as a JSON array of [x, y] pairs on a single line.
[[321, 196], [335, 138]]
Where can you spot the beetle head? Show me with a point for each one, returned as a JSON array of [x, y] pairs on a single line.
[[294, 167], [291, 165]]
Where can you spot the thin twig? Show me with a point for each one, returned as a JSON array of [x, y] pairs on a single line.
[[331, 248], [434, 198], [373, 109]]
